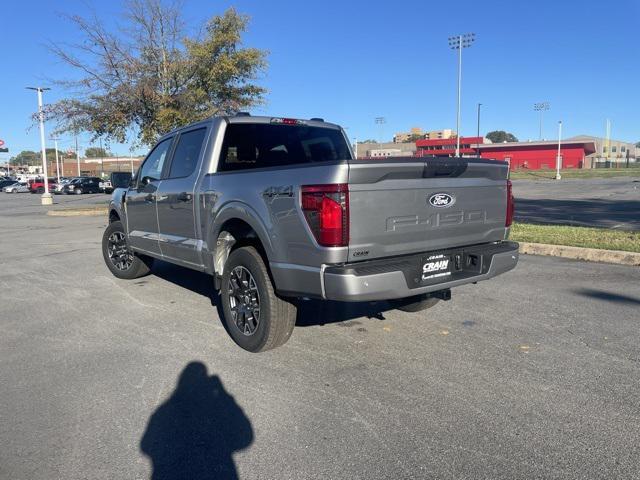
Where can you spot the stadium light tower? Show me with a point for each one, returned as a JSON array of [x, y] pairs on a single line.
[[458, 42], [541, 107], [46, 198], [381, 121]]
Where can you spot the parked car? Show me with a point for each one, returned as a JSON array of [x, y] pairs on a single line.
[[60, 186], [36, 185], [81, 185], [16, 187], [6, 183], [106, 186], [278, 209]]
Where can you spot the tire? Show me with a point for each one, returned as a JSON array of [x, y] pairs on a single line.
[[78, 191], [135, 266], [417, 303], [276, 317], [40, 190]]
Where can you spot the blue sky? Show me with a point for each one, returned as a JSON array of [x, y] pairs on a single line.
[[352, 61]]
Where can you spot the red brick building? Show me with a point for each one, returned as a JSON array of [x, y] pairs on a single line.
[[529, 155]]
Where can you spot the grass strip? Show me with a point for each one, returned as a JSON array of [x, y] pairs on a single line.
[[587, 237]]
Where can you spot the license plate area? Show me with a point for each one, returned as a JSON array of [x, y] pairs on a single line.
[[435, 268]]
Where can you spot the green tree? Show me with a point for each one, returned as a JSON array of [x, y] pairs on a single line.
[[26, 157], [415, 136], [500, 136], [29, 157], [148, 76], [96, 152]]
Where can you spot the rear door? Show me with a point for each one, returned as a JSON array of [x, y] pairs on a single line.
[[400, 206], [175, 198], [142, 219]]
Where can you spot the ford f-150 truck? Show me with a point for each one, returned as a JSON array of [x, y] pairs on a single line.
[[278, 209]]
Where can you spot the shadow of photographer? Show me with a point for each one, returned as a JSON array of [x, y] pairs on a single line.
[[194, 434]]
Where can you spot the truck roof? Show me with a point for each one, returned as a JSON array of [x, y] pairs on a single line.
[[246, 118]]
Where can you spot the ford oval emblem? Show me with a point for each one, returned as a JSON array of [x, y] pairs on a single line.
[[442, 200]]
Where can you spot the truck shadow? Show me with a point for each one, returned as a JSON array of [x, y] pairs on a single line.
[[310, 312], [608, 296], [195, 432]]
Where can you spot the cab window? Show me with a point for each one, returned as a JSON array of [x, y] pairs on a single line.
[[187, 152], [152, 167]]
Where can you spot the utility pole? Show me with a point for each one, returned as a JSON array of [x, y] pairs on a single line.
[[101, 160], [46, 198], [459, 42], [55, 143], [559, 157], [355, 144], [478, 132], [77, 155], [541, 107]]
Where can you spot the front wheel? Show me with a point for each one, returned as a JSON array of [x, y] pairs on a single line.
[[254, 316], [120, 260], [78, 191]]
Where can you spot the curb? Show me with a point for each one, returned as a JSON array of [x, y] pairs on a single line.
[[79, 212], [580, 253]]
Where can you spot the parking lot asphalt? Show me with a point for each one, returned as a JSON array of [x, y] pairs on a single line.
[[593, 202], [534, 374]]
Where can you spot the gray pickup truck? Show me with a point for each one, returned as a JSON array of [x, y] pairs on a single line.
[[278, 210]]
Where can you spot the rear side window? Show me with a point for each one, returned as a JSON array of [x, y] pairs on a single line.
[[185, 157], [248, 146]]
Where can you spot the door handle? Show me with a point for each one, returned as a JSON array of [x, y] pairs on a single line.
[[184, 197], [149, 197]]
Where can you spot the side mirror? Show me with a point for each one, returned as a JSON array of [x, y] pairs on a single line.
[[120, 179]]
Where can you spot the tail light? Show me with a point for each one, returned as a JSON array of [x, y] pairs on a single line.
[[510, 205], [326, 209]]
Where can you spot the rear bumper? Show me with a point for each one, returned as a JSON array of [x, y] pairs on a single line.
[[396, 277]]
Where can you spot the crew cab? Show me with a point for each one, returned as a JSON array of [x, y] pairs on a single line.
[[278, 209]]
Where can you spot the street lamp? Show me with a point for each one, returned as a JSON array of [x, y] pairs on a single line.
[[458, 42], [46, 198], [541, 107], [478, 133], [559, 157]]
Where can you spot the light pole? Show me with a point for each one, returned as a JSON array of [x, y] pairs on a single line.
[[478, 132], [55, 144], [46, 198], [559, 157], [355, 149], [541, 107], [77, 155], [381, 121], [459, 42]]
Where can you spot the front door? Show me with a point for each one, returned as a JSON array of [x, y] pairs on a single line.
[[175, 199], [142, 218]]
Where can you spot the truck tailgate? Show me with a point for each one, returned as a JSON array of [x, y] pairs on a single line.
[[406, 205]]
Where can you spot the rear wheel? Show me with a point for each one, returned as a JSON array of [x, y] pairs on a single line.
[[416, 303], [120, 260], [254, 316]]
